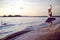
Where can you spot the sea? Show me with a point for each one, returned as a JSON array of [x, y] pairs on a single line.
[[10, 25]]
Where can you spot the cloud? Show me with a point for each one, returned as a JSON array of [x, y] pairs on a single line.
[[30, 6], [35, 0]]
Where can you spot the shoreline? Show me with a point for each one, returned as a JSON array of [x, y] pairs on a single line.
[[14, 35], [28, 16], [47, 36]]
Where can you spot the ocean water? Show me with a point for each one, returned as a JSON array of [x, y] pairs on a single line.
[[15, 24]]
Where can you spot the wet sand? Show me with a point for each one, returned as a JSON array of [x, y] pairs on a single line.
[[14, 35], [40, 34]]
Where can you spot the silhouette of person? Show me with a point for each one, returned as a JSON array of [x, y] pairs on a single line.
[[49, 20]]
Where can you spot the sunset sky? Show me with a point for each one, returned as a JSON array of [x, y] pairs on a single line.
[[29, 7]]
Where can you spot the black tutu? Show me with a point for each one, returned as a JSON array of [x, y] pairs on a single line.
[[49, 20]]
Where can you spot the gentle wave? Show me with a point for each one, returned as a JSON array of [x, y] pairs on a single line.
[[19, 24]]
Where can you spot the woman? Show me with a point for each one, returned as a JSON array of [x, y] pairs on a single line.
[[49, 20]]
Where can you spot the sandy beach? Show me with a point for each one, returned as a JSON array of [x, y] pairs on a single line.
[[40, 34]]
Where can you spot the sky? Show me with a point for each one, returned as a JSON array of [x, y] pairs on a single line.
[[29, 7]]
